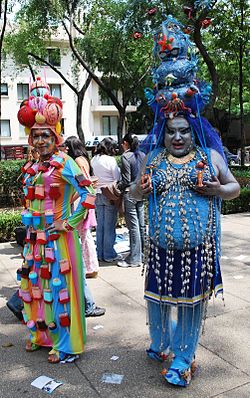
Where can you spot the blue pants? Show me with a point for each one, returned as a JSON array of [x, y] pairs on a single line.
[[134, 216], [182, 338], [106, 214]]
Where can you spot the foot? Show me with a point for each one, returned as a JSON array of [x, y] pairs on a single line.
[[112, 260], [54, 356], [97, 311], [180, 373], [92, 274], [30, 347], [124, 264], [157, 356]]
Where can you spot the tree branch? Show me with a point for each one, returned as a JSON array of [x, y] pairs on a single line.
[[4, 24]]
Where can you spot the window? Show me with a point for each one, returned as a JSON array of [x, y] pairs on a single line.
[[5, 128], [21, 131], [105, 100], [109, 125], [55, 90], [4, 89], [54, 56], [22, 91]]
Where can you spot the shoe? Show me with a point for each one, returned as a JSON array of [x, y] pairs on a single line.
[[157, 356], [180, 374], [112, 260], [92, 274], [124, 264], [97, 311]]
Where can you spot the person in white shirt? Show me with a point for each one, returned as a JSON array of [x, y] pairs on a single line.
[[105, 168]]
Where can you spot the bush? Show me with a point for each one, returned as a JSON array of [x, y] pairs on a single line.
[[242, 175], [9, 220], [10, 183], [237, 205]]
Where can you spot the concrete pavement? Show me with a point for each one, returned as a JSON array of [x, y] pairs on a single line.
[[223, 355]]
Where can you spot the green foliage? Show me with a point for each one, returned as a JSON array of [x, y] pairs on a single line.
[[10, 183], [238, 205], [9, 220]]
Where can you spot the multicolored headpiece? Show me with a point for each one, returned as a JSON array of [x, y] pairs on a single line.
[[41, 110]]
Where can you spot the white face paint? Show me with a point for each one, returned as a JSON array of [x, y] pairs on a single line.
[[178, 137]]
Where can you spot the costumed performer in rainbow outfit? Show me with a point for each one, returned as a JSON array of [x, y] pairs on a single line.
[[185, 177], [52, 275]]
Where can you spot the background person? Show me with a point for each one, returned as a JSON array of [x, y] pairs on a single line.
[[131, 161], [105, 168]]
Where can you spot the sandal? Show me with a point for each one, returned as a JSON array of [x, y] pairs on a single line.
[[54, 356], [157, 356], [30, 347], [180, 377]]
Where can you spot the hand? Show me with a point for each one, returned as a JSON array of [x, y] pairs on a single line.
[[210, 188], [94, 180], [146, 185], [56, 226]]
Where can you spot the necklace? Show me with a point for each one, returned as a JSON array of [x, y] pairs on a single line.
[[182, 160]]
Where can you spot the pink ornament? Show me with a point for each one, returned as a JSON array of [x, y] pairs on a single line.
[[53, 113], [38, 103]]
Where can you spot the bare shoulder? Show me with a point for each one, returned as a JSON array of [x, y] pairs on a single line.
[[221, 168]]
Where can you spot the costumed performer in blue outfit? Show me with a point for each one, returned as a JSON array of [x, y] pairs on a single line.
[[185, 177]]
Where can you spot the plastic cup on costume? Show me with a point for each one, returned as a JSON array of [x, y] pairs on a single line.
[[53, 236], [25, 271], [39, 192], [36, 293], [52, 327], [33, 237], [49, 216], [82, 181], [41, 324], [27, 218], [41, 237], [30, 260], [31, 325], [47, 296], [36, 216], [64, 296], [89, 201], [54, 192], [19, 274], [56, 283], [33, 277], [56, 162], [64, 319], [31, 171], [26, 167], [24, 212], [38, 260], [30, 192], [49, 255], [26, 296], [45, 272], [64, 266]]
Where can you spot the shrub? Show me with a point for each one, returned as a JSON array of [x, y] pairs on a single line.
[[10, 183], [237, 205], [9, 220]]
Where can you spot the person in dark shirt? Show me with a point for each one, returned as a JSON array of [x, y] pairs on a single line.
[[131, 161]]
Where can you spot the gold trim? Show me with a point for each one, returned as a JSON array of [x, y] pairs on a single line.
[[184, 159]]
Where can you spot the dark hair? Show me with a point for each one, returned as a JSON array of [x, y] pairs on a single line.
[[76, 149], [106, 147], [132, 141]]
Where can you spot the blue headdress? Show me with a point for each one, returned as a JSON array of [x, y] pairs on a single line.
[[176, 89]]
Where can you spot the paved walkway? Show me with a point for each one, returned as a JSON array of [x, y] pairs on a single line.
[[223, 355]]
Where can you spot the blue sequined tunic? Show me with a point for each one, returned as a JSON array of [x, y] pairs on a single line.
[[183, 251]]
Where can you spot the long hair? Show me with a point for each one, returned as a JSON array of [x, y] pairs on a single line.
[[106, 147], [76, 149]]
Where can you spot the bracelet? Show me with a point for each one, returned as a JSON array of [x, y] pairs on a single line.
[[66, 226]]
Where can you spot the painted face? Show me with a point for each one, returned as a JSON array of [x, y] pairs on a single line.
[[178, 137], [44, 141]]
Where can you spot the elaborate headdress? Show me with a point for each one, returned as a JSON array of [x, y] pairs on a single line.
[[41, 110], [176, 89]]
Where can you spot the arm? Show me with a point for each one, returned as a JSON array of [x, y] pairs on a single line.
[[223, 184], [125, 174], [142, 187]]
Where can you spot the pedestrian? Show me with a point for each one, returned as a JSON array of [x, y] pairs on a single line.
[[185, 178], [52, 277], [106, 169], [131, 161], [77, 151]]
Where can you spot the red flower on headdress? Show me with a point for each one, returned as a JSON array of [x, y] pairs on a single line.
[[166, 43]]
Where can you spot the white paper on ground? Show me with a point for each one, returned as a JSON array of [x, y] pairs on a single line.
[[96, 327], [112, 378], [238, 277], [114, 358], [46, 384]]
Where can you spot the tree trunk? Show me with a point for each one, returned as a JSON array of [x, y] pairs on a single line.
[[242, 133], [80, 98], [121, 121], [229, 114]]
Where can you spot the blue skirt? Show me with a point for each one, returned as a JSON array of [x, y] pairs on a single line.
[[199, 286]]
